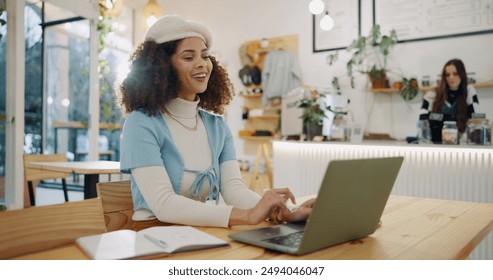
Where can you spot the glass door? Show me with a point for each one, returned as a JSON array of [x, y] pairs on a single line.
[[66, 77]]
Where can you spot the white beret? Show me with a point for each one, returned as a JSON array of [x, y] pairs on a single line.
[[173, 27]]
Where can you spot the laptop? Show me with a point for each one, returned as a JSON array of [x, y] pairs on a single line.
[[349, 205]]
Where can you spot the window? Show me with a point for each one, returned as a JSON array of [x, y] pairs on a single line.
[[57, 78]]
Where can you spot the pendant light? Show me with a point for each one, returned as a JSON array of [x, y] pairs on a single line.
[[152, 11], [327, 22], [316, 7], [111, 8]]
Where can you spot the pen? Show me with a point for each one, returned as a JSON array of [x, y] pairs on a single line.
[[156, 241]]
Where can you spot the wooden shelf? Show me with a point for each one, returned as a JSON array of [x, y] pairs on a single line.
[[264, 117], [251, 95], [257, 138], [428, 88], [483, 85], [384, 90], [268, 120]]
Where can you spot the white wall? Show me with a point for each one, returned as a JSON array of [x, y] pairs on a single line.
[[236, 21]]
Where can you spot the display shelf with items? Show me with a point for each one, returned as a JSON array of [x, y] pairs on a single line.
[[261, 127], [261, 110], [261, 122], [429, 88]]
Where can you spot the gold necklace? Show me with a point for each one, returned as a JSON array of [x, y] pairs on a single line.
[[194, 128]]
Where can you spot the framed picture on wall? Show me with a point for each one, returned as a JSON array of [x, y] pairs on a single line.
[[347, 26], [425, 20]]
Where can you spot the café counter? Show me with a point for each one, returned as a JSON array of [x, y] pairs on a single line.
[[452, 172]]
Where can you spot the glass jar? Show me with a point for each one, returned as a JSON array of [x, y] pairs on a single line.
[[474, 131], [425, 81], [471, 77], [450, 133], [478, 132], [337, 133], [339, 130], [439, 79]]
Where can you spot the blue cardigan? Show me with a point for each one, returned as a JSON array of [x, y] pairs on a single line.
[[146, 141]]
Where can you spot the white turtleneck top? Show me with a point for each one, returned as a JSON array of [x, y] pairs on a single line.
[[156, 188]]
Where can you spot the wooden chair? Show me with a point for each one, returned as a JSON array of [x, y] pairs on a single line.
[[31, 174], [41, 228], [116, 199]]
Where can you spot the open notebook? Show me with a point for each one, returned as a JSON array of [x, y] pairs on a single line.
[[126, 244]]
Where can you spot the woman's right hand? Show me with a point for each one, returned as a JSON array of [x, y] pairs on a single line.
[[271, 205]]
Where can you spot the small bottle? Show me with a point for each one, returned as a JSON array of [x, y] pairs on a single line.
[[450, 133], [486, 134], [424, 132]]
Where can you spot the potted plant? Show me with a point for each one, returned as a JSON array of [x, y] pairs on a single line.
[[313, 113], [369, 56], [409, 88]]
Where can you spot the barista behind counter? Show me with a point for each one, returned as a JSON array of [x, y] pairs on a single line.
[[454, 100]]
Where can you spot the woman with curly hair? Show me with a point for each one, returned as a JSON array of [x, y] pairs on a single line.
[[176, 146]]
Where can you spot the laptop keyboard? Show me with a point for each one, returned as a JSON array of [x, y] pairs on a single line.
[[289, 240]]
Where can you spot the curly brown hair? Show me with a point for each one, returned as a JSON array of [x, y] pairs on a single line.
[[152, 81]]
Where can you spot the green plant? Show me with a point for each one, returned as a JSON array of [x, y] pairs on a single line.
[[3, 121], [2, 9], [369, 54], [105, 89], [409, 88], [313, 108], [336, 85]]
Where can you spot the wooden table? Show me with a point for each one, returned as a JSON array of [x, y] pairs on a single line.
[[412, 228], [90, 170]]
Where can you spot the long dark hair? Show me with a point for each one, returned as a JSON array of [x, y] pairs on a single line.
[[442, 93], [152, 81]]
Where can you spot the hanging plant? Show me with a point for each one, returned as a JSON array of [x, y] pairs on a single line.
[[336, 85], [104, 28]]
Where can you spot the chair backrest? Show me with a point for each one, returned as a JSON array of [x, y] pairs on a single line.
[[41, 228], [31, 174], [116, 199]]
